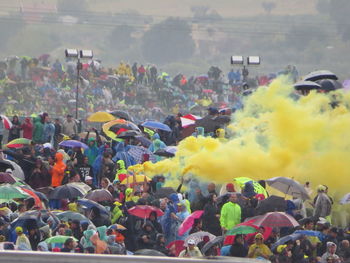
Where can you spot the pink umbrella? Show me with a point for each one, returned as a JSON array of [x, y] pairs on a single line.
[[7, 123], [144, 211], [188, 222]]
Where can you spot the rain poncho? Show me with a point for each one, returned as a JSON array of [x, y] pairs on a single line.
[[102, 233], [86, 242], [122, 154], [121, 172], [57, 172], [97, 165], [38, 130], [230, 215], [169, 224], [156, 145], [48, 132], [92, 152], [116, 214]]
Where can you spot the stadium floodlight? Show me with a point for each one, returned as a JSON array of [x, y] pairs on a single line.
[[253, 60], [237, 60], [86, 54], [72, 53]]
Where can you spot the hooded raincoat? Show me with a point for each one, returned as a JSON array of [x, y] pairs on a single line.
[[57, 172]]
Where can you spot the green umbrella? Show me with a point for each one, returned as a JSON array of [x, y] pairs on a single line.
[[241, 230], [59, 239], [9, 192]]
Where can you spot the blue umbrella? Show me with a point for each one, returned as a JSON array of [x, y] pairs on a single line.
[[73, 143], [285, 239], [86, 203], [156, 125], [144, 141], [309, 233]]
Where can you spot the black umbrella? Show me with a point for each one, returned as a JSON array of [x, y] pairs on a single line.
[[42, 196], [306, 85], [128, 134], [32, 219], [65, 192], [211, 124], [143, 140], [149, 252], [329, 84], [164, 192], [320, 74], [271, 204], [164, 153], [122, 114], [5, 165], [218, 241]]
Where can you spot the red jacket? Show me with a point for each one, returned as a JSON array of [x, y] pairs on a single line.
[[27, 127]]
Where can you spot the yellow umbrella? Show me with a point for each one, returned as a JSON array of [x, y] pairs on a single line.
[[101, 116], [140, 178], [106, 126]]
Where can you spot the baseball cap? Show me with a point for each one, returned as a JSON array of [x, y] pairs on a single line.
[[191, 242], [88, 178], [19, 229]]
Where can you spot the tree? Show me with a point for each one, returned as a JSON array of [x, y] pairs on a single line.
[[120, 37], [268, 6], [168, 41]]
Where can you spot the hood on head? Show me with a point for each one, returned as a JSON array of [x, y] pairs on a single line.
[[121, 164], [174, 198], [59, 157]]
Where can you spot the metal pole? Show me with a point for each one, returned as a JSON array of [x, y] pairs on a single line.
[[77, 90]]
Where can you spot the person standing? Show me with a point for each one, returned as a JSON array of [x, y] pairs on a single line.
[[15, 130], [38, 130], [2, 130], [69, 126], [49, 130], [210, 218], [58, 131], [27, 128], [142, 71], [230, 214]]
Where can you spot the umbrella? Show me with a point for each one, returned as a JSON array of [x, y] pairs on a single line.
[[164, 192], [117, 227], [18, 143], [88, 204], [68, 215], [149, 252], [345, 199], [59, 239], [188, 222], [73, 143], [218, 241], [198, 237], [169, 151], [128, 134], [144, 211], [82, 187], [211, 124], [140, 178], [7, 178], [45, 190], [143, 140], [101, 116], [276, 219], [241, 230], [121, 114], [306, 85], [29, 218], [329, 84], [320, 74], [99, 195], [106, 127], [179, 246], [41, 196], [82, 135], [310, 233], [5, 164], [34, 195], [156, 125], [7, 123], [288, 186], [285, 239], [9, 192], [138, 153], [271, 204], [66, 192]]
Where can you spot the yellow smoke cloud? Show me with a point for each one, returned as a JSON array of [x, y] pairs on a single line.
[[274, 135]]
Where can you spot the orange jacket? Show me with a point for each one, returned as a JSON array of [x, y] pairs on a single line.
[[57, 172]]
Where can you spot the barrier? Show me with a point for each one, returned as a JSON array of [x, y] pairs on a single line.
[[45, 257]]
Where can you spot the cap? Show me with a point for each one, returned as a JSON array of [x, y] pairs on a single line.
[[191, 242], [19, 229], [88, 178]]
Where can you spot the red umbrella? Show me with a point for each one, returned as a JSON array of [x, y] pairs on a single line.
[[37, 200], [179, 246], [276, 219], [144, 211], [6, 178], [188, 222], [7, 123]]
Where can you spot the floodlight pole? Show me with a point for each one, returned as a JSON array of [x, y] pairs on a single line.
[[77, 90]]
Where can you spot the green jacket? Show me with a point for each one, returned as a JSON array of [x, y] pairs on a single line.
[[230, 215], [116, 214], [38, 130]]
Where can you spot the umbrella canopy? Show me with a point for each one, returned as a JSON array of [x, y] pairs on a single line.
[[140, 178], [179, 246], [32, 218], [59, 239], [345, 199], [329, 84], [156, 125], [169, 151], [218, 241], [66, 192], [276, 219], [5, 164], [16, 169], [9, 192], [117, 227], [7, 123], [320, 74], [34, 195], [101, 116], [198, 237], [82, 187], [6, 178], [73, 144], [288, 186], [138, 154], [149, 252], [106, 127], [88, 204], [99, 195], [241, 230], [143, 140], [122, 115], [285, 239], [144, 211], [68, 215], [306, 85], [164, 192], [82, 135], [18, 143], [128, 134], [271, 204], [189, 221], [211, 124]]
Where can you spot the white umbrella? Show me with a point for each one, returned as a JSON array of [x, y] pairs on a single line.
[[17, 172], [288, 186]]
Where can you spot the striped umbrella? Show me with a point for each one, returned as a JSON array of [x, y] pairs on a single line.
[[7, 123], [276, 219]]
